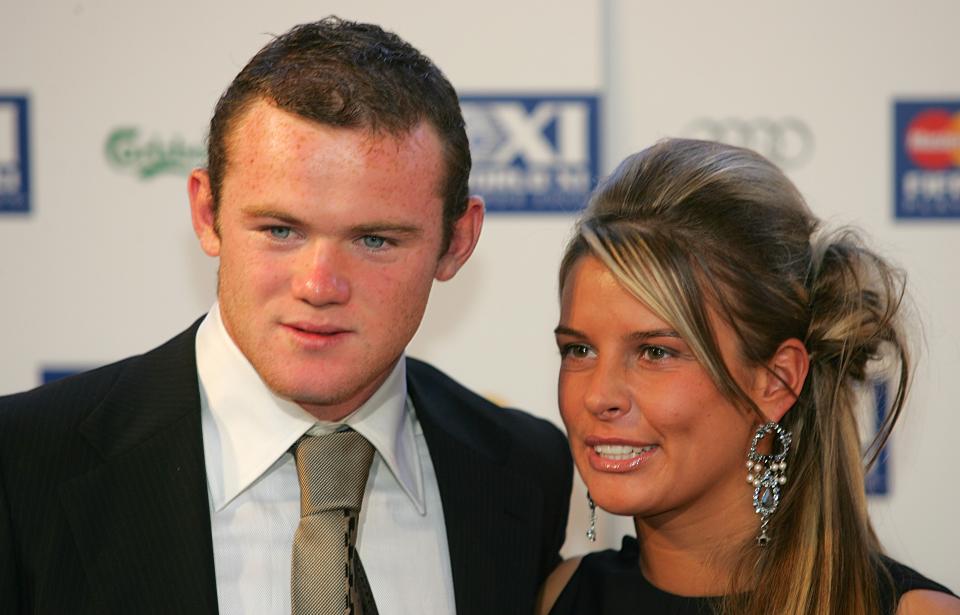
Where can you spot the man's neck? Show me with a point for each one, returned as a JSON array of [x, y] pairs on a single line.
[[337, 411]]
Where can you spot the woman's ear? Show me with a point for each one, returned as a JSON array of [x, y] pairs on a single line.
[[780, 383]]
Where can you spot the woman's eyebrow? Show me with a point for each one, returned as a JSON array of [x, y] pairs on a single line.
[[645, 335], [636, 335], [565, 330]]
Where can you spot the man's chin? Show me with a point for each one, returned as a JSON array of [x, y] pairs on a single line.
[[308, 398], [338, 396], [326, 405]]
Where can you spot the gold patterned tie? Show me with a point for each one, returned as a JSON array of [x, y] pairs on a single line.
[[327, 577]]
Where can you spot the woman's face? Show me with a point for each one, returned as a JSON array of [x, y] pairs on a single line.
[[649, 431]]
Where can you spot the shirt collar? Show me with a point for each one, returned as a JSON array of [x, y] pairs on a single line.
[[247, 429]]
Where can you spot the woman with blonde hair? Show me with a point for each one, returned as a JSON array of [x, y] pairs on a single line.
[[714, 342]]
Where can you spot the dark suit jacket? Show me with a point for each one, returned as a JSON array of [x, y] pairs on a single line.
[[104, 505]]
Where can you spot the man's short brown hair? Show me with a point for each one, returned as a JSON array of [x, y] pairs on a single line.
[[352, 75]]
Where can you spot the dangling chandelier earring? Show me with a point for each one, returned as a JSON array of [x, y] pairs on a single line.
[[767, 473], [592, 528]]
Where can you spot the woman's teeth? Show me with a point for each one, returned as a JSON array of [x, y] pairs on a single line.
[[620, 451]]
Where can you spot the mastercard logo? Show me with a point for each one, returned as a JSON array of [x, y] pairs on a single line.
[[933, 139]]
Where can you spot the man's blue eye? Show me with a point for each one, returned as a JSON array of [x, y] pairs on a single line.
[[280, 232], [373, 242]]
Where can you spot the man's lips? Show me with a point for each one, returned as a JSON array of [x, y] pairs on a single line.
[[618, 454], [316, 335], [318, 329]]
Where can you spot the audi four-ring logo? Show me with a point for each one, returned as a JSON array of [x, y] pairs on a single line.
[[787, 142]]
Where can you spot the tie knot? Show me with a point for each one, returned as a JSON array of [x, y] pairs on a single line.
[[332, 470]]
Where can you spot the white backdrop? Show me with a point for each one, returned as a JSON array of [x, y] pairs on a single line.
[[106, 250]]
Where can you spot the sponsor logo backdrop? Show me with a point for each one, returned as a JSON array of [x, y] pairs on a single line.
[[787, 141], [927, 159], [533, 154], [14, 154], [106, 264]]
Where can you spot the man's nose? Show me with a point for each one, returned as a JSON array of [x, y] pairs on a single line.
[[608, 394], [321, 278]]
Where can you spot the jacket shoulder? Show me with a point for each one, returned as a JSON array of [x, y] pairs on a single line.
[[74, 395], [69, 400], [523, 462], [440, 384], [465, 412]]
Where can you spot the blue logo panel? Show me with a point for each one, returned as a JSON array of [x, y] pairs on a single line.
[[927, 159], [48, 375], [533, 154], [878, 480], [14, 155]]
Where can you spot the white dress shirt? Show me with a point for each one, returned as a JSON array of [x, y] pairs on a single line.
[[255, 495]]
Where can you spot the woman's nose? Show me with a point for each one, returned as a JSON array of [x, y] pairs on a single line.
[[607, 395]]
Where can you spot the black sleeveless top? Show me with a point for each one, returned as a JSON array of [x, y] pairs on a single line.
[[610, 582]]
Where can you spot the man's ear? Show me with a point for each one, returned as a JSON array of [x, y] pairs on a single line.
[[466, 233], [779, 385], [202, 211]]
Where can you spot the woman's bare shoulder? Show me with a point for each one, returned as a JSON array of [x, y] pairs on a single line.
[[928, 602], [555, 583]]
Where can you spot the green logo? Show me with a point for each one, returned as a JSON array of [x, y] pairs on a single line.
[[148, 158]]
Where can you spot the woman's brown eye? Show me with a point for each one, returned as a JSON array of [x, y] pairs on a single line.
[[655, 353]]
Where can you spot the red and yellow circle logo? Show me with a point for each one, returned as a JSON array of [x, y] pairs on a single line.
[[933, 139]]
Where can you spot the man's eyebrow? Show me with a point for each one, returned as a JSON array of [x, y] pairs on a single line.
[[394, 228], [266, 212], [370, 228]]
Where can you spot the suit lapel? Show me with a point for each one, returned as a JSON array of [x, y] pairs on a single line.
[[486, 508], [141, 519]]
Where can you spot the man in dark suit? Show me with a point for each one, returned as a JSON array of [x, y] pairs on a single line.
[[335, 193]]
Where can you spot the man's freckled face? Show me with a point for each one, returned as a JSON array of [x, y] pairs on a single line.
[[329, 242]]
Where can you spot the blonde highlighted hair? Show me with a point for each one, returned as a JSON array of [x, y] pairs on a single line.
[[688, 226]]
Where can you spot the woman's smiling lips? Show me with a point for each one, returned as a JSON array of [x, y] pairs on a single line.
[[617, 454]]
